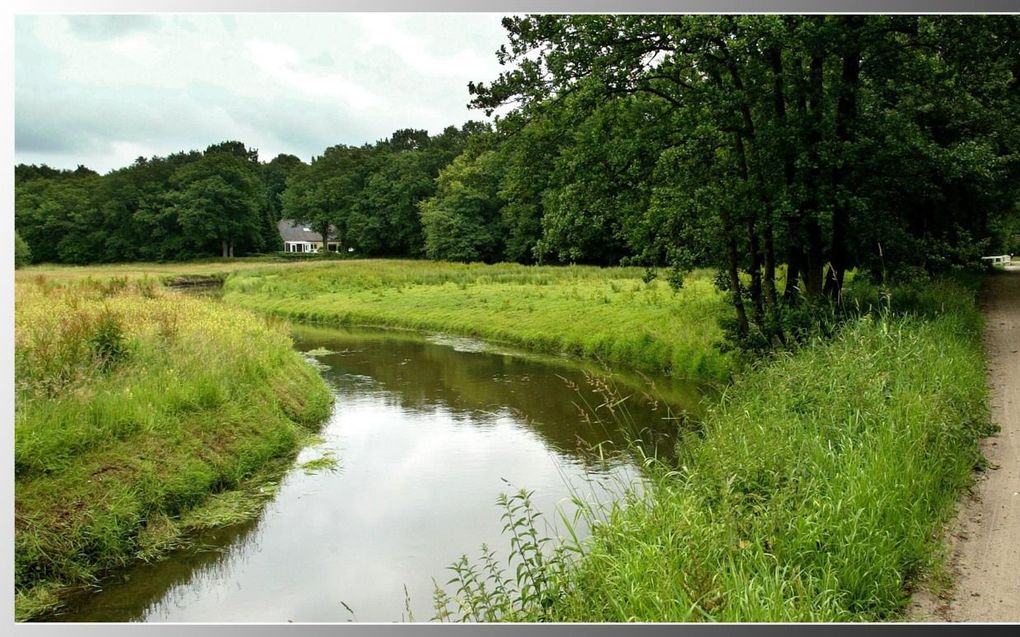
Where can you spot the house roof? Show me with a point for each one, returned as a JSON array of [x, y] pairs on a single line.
[[291, 231]]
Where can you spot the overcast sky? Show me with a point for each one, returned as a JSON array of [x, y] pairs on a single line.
[[103, 90]]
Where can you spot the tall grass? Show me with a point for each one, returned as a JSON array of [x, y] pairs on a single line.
[[611, 314], [814, 491], [134, 406]]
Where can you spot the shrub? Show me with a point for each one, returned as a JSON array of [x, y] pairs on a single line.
[[22, 253]]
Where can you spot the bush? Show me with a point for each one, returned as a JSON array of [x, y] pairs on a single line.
[[22, 253]]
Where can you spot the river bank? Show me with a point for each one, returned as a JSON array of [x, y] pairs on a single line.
[[814, 493], [620, 316], [142, 417]]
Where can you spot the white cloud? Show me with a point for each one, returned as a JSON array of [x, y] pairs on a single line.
[[282, 64], [96, 90], [420, 52]]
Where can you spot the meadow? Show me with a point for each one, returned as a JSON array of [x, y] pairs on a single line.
[[815, 490], [142, 416], [220, 268], [614, 315]]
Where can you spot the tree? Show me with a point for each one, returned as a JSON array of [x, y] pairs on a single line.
[[324, 195], [599, 190], [218, 199], [385, 217], [462, 221], [22, 253], [789, 133], [275, 174], [56, 218], [528, 152]]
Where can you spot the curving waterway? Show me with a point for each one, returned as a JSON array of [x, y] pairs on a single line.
[[426, 434]]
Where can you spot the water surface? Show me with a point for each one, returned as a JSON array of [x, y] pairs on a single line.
[[427, 432]]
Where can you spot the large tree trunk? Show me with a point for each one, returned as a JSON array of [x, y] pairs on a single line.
[[814, 262], [223, 244], [324, 232], [733, 273], [757, 309], [757, 313], [794, 261], [771, 300], [794, 233], [846, 114]]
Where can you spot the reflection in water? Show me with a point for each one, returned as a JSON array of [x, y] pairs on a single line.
[[428, 432]]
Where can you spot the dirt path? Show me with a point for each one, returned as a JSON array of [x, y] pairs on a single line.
[[985, 540]]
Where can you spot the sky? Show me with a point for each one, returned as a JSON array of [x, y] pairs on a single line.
[[103, 90]]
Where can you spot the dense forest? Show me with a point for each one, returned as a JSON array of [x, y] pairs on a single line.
[[784, 150]]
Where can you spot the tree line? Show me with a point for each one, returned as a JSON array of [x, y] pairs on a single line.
[[783, 150], [818, 143], [225, 202]]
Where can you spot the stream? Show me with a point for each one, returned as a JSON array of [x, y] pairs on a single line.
[[427, 432]]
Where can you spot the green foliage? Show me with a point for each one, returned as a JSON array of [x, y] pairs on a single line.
[[177, 207], [742, 142], [462, 221], [814, 491], [218, 199], [275, 174], [225, 202], [601, 182], [385, 218], [22, 253], [486, 593], [322, 194], [107, 341], [56, 217]]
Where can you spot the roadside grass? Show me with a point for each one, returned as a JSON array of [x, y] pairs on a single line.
[[142, 416], [813, 492], [610, 314]]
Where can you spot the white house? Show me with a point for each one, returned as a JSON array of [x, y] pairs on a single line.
[[301, 238]]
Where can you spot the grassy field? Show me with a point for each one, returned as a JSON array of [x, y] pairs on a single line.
[[814, 492], [141, 416], [143, 270], [609, 314]]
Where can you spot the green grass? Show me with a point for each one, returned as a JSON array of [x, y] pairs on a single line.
[[142, 416], [609, 314], [815, 491], [143, 270]]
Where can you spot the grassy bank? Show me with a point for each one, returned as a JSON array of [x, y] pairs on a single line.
[[814, 492], [610, 314], [141, 416]]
